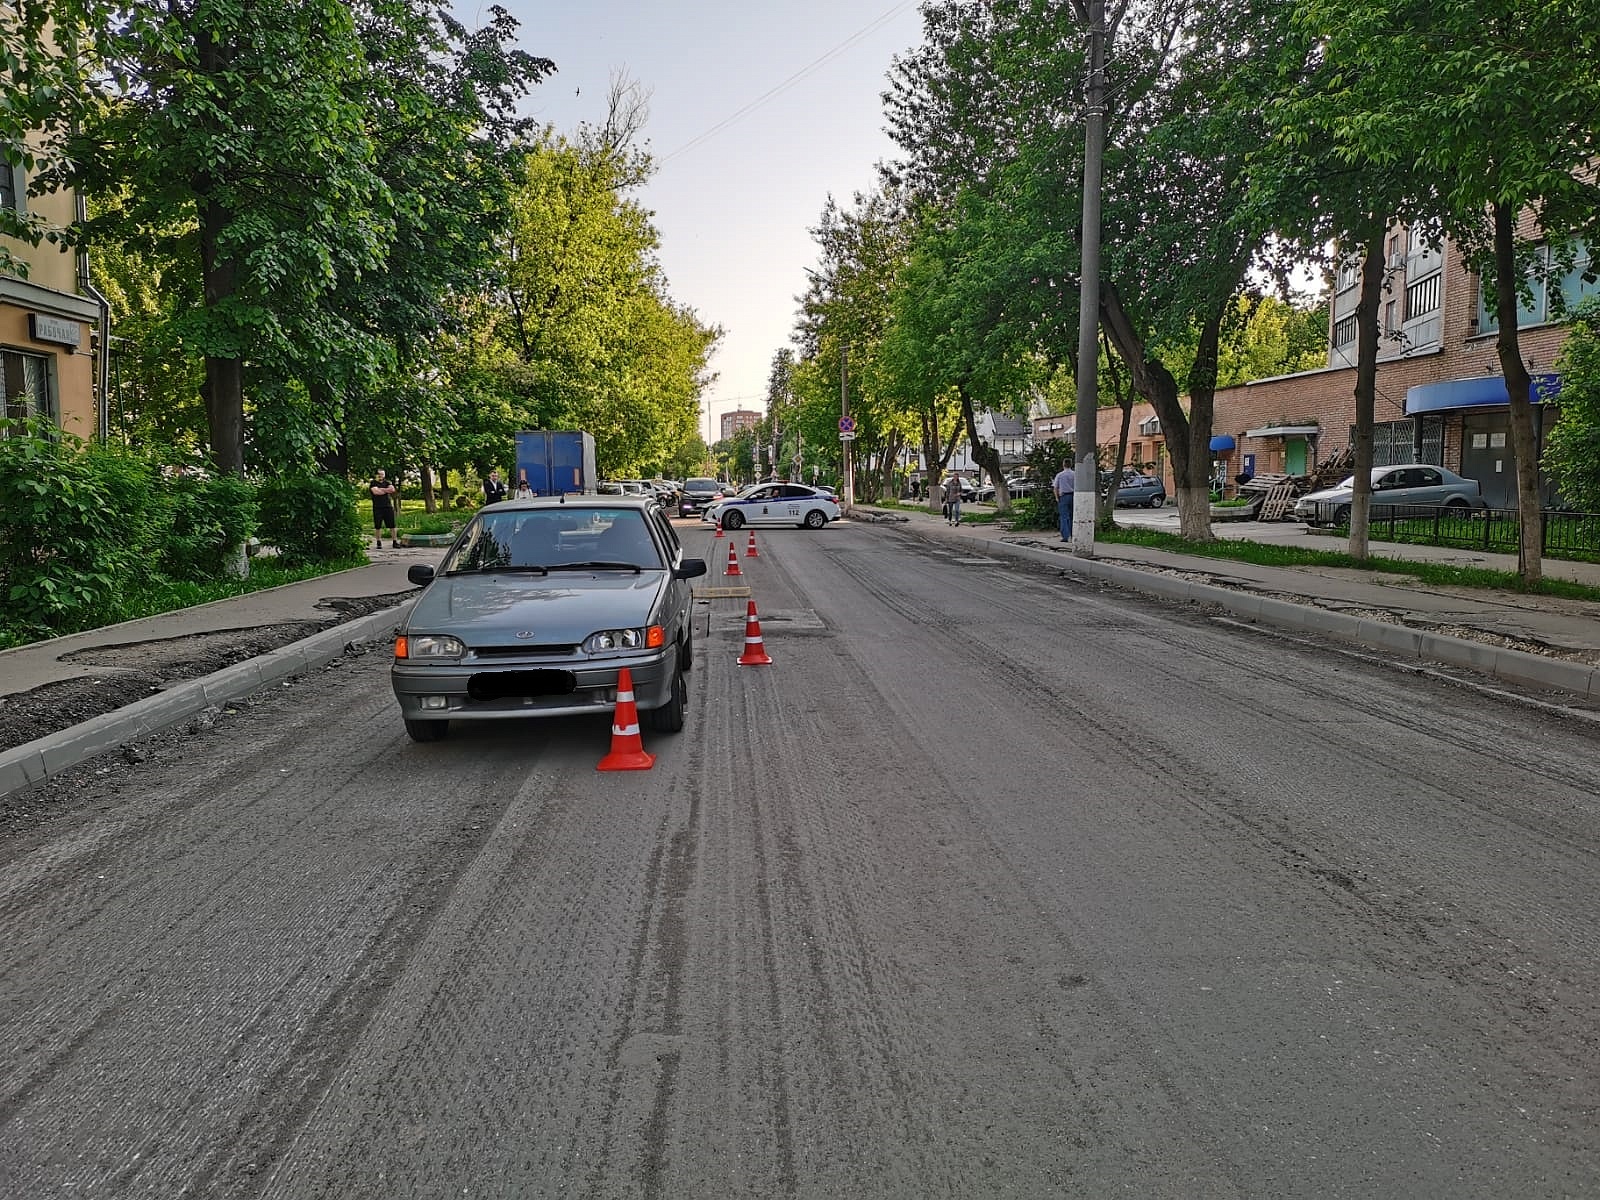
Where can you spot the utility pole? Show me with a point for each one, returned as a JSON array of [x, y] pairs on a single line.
[[849, 445], [1086, 489]]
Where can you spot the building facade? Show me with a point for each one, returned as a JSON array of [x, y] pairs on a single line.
[[49, 321], [1440, 396], [739, 418]]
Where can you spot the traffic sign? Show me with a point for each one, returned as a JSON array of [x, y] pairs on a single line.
[[847, 425], [848, 437]]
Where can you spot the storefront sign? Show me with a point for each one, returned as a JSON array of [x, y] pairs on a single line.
[[44, 328]]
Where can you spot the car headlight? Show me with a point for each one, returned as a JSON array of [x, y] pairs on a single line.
[[429, 645], [607, 640]]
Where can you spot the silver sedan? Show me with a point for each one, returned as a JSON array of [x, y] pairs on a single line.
[[536, 609]]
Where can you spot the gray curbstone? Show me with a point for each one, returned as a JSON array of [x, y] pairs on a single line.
[[30, 764]]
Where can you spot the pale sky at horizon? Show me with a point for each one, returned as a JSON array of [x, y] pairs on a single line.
[[733, 205]]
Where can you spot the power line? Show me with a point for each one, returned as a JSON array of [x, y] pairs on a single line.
[[787, 83]]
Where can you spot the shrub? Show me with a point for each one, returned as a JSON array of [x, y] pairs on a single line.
[[208, 517], [310, 518], [74, 529]]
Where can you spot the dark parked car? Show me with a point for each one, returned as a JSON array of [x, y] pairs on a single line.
[[538, 606], [696, 494], [1138, 488]]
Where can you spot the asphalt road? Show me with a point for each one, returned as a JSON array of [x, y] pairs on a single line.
[[993, 884]]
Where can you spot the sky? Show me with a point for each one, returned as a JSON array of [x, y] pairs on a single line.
[[759, 111]]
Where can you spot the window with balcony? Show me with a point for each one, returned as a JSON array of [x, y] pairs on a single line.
[[1422, 297], [1344, 332]]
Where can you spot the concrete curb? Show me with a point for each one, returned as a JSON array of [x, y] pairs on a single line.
[[1400, 641], [38, 760]]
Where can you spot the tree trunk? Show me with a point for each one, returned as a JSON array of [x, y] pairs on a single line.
[[1524, 445], [983, 453], [1191, 476], [428, 502], [224, 381], [1372, 281]]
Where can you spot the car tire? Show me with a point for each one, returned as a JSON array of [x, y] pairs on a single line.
[[1159, 499], [1341, 515], [815, 519], [732, 520], [669, 717], [686, 655], [1455, 504], [427, 731]]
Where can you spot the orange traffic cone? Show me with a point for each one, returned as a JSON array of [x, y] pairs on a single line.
[[750, 550], [733, 561], [719, 526], [627, 748], [755, 653]]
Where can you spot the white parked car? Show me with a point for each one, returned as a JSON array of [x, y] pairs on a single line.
[[774, 504], [1422, 486]]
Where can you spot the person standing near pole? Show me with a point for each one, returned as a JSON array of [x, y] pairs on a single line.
[[1063, 484]]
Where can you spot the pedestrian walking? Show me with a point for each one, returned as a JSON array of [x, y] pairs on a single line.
[[952, 499], [1062, 485], [494, 488], [383, 494]]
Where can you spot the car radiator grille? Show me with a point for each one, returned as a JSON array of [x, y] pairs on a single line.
[[523, 650]]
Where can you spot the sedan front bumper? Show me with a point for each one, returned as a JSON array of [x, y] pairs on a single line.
[[467, 691]]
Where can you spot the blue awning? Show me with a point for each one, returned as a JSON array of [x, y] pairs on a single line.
[[1222, 441], [1485, 390]]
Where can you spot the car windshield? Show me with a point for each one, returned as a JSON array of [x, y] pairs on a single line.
[[555, 538], [701, 485]]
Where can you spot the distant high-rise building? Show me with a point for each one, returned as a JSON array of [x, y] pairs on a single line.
[[739, 418]]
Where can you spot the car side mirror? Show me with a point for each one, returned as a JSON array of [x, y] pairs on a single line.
[[420, 574], [689, 568]]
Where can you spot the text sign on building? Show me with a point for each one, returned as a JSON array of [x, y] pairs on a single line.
[[43, 328]]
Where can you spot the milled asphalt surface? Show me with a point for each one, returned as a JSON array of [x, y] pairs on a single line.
[[1371, 609]]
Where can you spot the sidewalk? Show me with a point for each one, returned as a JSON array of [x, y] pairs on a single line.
[[1533, 641]]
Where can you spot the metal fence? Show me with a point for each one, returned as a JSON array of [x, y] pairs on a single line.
[[1564, 534]]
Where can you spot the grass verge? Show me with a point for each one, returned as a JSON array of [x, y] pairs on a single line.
[[1439, 574]]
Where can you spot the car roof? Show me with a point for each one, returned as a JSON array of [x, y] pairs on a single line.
[[575, 500]]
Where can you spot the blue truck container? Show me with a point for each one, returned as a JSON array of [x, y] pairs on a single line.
[[555, 462]]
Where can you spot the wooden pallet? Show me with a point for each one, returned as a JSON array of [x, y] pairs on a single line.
[[1279, 502]]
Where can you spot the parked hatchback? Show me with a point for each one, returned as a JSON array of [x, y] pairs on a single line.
[[1420, 485], [538, 606], [1139, 488]]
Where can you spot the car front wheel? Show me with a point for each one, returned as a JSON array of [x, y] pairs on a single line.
[[816, 519], [1341, 515], [427, 731], [669, 717], [732, 520]]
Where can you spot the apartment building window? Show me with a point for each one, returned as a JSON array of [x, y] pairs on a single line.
[[25, 380], [13, 188], [1344, 332], [1422, 297], [1552, 296], [1349, 274], [1391, 323]]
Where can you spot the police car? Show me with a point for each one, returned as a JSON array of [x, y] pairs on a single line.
[[774, 504]]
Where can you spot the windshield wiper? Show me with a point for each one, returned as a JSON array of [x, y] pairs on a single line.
[[598, 566], [492, 568]]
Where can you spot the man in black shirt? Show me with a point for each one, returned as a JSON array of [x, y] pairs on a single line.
[[383, 506], [494, 488]]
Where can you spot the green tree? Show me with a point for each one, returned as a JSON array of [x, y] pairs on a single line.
[[1572, 448], [245, 120]]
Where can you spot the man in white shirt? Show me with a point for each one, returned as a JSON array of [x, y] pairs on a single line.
[[1066, 479]]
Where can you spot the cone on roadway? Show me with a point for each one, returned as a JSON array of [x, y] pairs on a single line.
[[719, 524], [750, 550], [733, 560], [627, 747], [755, 653]]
